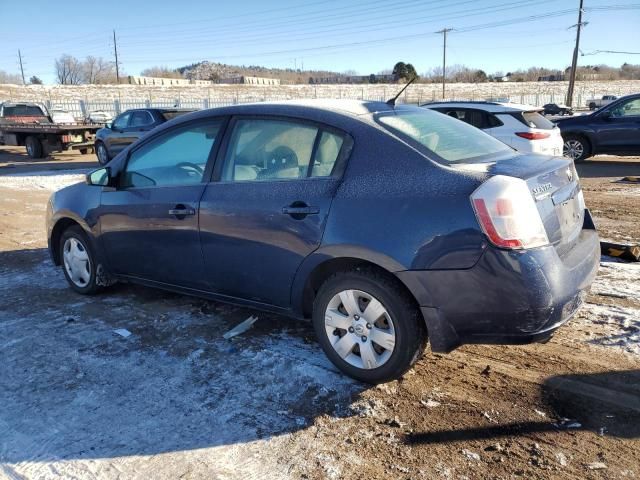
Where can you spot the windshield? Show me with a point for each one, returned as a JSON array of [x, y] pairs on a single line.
[[444, 138]]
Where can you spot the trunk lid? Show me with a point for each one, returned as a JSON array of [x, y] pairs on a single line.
[[554, 185]]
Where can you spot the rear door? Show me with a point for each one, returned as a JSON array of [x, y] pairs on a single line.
[[268, 208], [149, 224]]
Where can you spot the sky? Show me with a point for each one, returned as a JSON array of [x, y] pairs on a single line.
[[367, 36]]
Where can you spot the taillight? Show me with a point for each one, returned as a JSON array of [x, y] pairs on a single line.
[[533, 135], [507, 213]]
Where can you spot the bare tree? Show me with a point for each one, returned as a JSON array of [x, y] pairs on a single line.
[[68, 70], [6, 77], [98, 70]]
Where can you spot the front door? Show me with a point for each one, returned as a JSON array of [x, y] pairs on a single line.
[[269, 208], [149, 224], [620, 132]]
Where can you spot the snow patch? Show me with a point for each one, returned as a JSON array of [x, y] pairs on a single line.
[[45, 180]]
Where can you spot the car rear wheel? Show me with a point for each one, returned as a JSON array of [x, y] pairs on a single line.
[[576, 148], [78, 261], [102, 153], [368, 326]]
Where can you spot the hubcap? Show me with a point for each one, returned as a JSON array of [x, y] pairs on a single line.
[[76, 262], [360, 329], [29, 148], [573, 149]]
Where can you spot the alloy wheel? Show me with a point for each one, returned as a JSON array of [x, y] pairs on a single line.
[[102, 154], [573, 149], [76, 262], [360, 329]]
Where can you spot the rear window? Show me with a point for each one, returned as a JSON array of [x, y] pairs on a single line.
[[444, 138], [534, 120], [175, 113], [22, 111]]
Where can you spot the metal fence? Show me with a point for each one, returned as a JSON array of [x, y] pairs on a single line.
[[82, 108]]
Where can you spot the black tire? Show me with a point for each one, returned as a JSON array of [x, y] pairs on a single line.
[[592, 106], [34, 147], [102, 153], [573, 141], [410, 332], [89, 287], [85, 151]]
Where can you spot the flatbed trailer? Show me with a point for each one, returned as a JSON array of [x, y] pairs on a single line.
[[42, 139]]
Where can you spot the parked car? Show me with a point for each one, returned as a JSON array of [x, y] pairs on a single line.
[[383, 224], [99, 116], [614, 129], [127, 127], [519, 126], [59, 115], [594, 103], [557, 109]]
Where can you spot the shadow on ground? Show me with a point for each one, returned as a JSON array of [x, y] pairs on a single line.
[[608, 403]]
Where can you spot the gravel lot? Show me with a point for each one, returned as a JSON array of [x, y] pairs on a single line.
[[176, 400]]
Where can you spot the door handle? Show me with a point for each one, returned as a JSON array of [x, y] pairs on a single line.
[[299, 210], [181, 211]]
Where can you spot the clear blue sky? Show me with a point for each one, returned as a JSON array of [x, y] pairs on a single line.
[[366, 36]]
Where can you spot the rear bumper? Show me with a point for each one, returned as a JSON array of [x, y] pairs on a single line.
[[508, 297]]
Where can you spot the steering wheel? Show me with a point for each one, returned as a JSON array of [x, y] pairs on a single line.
[[198, 169], [281, 157]]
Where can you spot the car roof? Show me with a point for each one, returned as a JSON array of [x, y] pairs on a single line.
[[494, 107]]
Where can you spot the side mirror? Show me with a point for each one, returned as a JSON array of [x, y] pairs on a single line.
[[100, 177], [606, 115]]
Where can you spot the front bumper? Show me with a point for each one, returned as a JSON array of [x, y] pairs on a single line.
[[509, 296]]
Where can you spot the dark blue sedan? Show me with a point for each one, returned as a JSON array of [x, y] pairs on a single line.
[[385, 225]]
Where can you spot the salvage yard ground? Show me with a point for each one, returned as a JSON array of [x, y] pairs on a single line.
[[176, 400]]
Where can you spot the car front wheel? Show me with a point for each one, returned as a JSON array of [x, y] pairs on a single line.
[[78, 261], [368, 326], [102, 153], [576, 147]]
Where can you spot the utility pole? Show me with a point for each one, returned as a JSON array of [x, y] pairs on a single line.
[[21, 68], [115, 50], [574, 62], [444, 57]]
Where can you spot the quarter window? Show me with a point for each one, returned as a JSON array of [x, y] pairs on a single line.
[[176, 158], [327, 153]]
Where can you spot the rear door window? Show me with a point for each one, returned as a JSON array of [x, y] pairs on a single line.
[[266, 149]]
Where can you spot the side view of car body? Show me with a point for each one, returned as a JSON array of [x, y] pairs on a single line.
[[127, 127], [555, 109], [519, 126], [614, 129], [384, 225]]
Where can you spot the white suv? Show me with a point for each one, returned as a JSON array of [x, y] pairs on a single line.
[[519, 126]]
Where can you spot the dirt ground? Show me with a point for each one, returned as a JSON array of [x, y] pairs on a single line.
[[176, 400]]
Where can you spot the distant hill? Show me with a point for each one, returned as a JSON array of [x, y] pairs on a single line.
[[215, 71]]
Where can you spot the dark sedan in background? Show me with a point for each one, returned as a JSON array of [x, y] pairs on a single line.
[[127, 127], [614, 130], [555, 109], [383, 224]]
